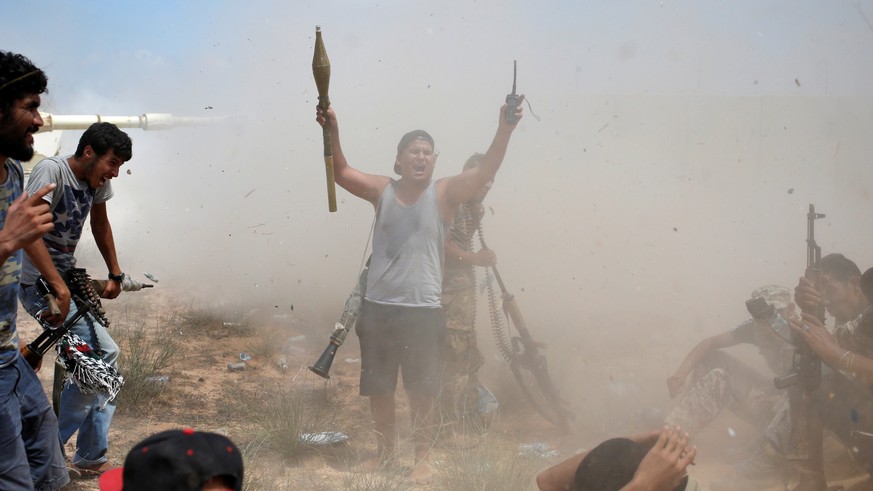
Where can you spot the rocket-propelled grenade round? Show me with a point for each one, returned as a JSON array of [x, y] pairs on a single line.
[[321, 72], [321, 69]]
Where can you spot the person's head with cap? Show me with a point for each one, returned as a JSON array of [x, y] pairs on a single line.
[[777, 296], [415, 156], [178, 460]]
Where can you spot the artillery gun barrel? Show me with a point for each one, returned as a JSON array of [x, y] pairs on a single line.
[[148, 121]]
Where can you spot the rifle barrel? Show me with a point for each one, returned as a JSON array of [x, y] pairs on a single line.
[[813, 251]]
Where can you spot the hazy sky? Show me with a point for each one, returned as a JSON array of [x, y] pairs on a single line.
[[657, 47], [679, 145]]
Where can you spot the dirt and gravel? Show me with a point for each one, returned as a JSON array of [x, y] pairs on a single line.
[[609, 387]]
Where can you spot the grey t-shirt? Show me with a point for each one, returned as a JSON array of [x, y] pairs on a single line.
[[71, 203]]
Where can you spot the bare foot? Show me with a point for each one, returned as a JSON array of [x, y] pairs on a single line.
[[422, 472]]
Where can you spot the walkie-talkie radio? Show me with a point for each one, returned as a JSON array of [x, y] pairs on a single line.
[[512, 99]]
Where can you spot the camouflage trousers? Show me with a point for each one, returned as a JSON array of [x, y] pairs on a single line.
[[459, 397], [721, 381], [847, 410]]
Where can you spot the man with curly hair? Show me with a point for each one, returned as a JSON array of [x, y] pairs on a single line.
[[31, 455]]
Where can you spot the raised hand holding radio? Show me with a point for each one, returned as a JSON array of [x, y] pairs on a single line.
[[512, 99]]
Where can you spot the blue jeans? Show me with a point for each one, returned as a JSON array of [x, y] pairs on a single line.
[[31, 455], [90, 414]]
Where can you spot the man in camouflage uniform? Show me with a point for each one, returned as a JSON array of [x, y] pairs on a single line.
[[459, 398], [719, 380], [844, 403], [845, 396]]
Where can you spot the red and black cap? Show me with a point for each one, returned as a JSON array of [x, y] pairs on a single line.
[[177, 460]]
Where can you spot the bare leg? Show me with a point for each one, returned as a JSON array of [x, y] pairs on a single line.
[[383, 412], [423, 425]]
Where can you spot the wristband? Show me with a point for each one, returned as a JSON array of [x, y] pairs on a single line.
[[840, 363], [118, 278]]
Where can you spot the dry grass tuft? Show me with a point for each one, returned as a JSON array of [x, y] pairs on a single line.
[[390, 479], [145, 355], [279, 417], [493, 464]]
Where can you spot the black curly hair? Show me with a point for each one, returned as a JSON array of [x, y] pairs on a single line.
[[838, 267], [18, 78], [103, 137]]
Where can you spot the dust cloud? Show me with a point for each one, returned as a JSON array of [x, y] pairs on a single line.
[[677, 148]]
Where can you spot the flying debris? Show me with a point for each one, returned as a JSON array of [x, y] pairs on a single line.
[[151, 277]]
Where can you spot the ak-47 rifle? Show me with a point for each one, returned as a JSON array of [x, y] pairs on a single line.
[[85, 293], [806, 423], [524, 356], [35, 350]]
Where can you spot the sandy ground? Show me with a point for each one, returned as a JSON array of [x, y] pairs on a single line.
[[607, 391]]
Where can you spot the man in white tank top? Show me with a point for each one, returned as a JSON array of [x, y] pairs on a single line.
[[401, 325]]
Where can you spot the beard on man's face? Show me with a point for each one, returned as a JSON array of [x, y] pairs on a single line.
[[13, 142], [15, 148]]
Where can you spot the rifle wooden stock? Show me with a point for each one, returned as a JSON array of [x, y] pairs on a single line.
[[32, 358], [514, 313], [35, 350], [510, 306]]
